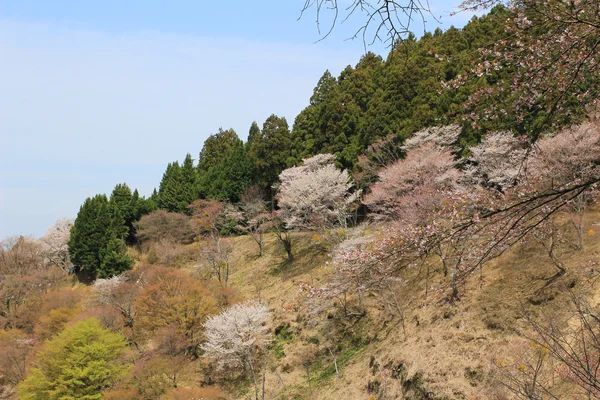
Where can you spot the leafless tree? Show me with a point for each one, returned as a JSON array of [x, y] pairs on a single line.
[[383, 20], [563, 347]]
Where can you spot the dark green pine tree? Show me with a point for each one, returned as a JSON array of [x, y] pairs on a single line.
[[121, 200], [216, 147], [336, 116], [178, 186], [271, 151], [188, 179], [80, 244], [143, 206], [253, 133], [213, 165], [96, 229], [234, 175], [310, 126], [87, 234], [115, 259], [169, 189], [153, 201], [135, 204]]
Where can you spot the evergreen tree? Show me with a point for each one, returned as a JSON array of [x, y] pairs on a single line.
[[253, 133], [168, 188], [143, 206], [236, 174], [188, 182], [271, 151], [154, 196], [400, 96], [224, 169], [115, 259], [177, 188], [124, 208], [93, 243], [88, 234], [333, 121], [216, 147]]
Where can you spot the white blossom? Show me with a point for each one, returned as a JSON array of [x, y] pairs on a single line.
[[55, 243], [105, 288], [443, 137], [497, 161], [234, 337], [315, 194]]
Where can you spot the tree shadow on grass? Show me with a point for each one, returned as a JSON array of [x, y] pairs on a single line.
[[307, 256]]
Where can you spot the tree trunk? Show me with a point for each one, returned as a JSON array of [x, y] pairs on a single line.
[[288, 249], [454, 295], [264, 377], [253, 378], [399, 309]]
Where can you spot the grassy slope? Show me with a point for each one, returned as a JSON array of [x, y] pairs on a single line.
[[449, 348]]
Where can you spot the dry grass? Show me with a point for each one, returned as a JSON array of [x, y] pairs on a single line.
[[449, 349]]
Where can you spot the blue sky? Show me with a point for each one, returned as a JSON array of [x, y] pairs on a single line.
[[100, 92]]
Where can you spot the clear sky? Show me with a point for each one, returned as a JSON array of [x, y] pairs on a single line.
[[94, 93]]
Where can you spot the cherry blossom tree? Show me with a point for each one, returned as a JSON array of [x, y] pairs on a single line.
[[237, 339], [315, 195], [552, 52], [443, 137], [380, 154], [497, 161], [119, 293], [462, 217], [254, 214], [413, 188], [55, 244], [567, 158], [561, 174], [388, 150]]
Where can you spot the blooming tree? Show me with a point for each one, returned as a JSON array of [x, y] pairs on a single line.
[[378, 155], [443, 137], [413, 188], [561, 174], [119, 293], [237, 337], [552, 53], [254, 214], [105, 288], [315, 194], [55, 244], [566, 159], [497, 161]]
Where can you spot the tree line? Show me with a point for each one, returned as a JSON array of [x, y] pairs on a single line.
[[361, 117]]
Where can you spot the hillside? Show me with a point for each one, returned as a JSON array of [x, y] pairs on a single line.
[[426, 230], [463, 282], [449, 350]]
